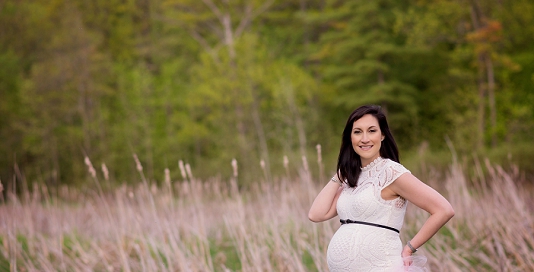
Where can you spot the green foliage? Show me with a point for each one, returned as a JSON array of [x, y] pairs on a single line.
[[209, 81], [308, 261], [9, 105], [254, 97], [224, 254], [4, 262], [364, 58]]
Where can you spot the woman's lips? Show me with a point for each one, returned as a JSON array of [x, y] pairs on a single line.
[[365, 147]]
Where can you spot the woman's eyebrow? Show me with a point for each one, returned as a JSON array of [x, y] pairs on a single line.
[[373, 126]]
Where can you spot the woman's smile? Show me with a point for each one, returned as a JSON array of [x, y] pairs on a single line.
[[366, 147]]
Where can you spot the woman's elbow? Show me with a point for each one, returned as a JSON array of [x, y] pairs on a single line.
[[449, 212], [314, 217]]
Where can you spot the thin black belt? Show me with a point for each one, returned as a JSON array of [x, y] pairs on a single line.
[[348, 221]]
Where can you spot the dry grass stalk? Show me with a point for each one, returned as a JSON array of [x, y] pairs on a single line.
[[212, 226]]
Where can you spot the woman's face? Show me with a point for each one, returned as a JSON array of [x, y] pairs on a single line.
[[366, 138]]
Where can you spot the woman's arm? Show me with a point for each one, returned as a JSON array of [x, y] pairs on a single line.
[[324, 205], [428, 199]]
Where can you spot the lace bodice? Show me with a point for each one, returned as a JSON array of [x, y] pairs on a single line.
[[365, 203], [357, 247]]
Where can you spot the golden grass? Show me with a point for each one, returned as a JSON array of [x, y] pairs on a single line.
[[211, 225]]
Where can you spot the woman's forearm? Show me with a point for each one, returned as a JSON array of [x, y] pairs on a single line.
[[431, 227], [323, 207]]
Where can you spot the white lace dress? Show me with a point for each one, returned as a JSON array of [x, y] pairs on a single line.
[[357, 247]]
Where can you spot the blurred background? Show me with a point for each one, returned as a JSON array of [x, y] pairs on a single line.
[[209, 81], [193, 135]]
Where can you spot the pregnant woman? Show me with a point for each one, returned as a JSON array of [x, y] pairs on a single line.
[[370, 193]]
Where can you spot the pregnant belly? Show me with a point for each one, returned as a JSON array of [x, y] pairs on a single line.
[[357, 247]]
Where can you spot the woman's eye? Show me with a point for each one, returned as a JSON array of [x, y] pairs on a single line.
[[357, 132]]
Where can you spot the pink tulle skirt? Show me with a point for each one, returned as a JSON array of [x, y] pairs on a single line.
[[414, 263]]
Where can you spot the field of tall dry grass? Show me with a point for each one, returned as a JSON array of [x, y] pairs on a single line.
[[212, 225]]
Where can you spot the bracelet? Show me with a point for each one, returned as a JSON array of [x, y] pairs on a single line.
[[336, 180], [411, 247]]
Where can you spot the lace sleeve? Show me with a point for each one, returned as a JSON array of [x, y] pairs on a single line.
[[392, 171]]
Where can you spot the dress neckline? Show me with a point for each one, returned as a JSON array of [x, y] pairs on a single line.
[[372, 164]]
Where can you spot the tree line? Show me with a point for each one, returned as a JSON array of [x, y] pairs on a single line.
[[209, 81]]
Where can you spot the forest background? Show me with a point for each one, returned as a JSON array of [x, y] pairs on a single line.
[[206, 82]]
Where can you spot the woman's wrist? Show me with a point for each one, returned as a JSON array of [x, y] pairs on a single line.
[[412, 249], [336, 180]]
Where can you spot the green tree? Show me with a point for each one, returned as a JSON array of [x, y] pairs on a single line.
[[362, 57], [61, 96], [273, 98], [474, 39]]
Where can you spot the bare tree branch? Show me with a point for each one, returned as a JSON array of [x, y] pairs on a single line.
[[204, 44], [215, 10], [250, 16], [216, 29], [244, 22]]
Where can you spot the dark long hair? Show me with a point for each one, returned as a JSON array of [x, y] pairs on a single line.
[[349, 163]]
